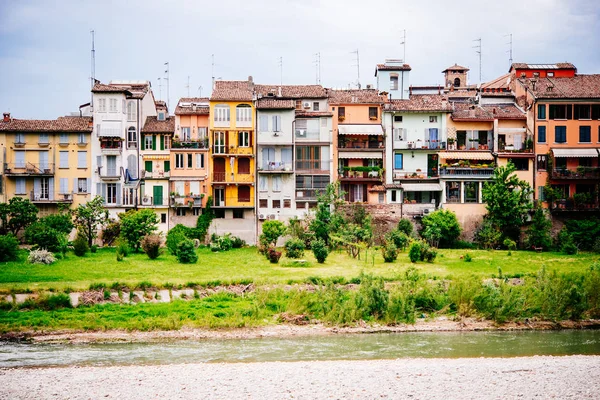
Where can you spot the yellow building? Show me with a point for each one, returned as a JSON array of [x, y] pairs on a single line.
[[47, 161], [232, 158]]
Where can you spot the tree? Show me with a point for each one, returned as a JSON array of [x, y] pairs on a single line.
[[327, 218], [508, 200], [441, 228], [17, 214], [271, 232], [538, 234], [137, 224], [404, 225], [62, 222], [89, 217]]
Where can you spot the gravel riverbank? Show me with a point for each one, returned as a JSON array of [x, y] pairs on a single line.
[[576, 377]]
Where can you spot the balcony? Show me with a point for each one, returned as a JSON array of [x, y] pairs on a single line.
[[309, 194], [418, 174], [110, 174], [275, 166], [178, 200], [466, 172], [29, 169], [419, 145], [154, 201], [313, 167], [111, 147], [41, 197], [224, 177], [360, 145], [239, 202], [156, 174], [364, 174], [511, 148], [201, 144], [577, 173], [232, 150], [578, 203]]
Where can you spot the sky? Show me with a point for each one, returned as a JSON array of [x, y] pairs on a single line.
[[45, 46]]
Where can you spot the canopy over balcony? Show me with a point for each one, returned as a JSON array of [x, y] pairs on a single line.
[[422, 187], [360, 130], [361, 154], [474, 155], [565, 153]]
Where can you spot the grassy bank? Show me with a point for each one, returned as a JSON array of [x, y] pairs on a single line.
[[246, 265]]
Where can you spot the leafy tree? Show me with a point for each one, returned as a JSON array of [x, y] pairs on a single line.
[[60, 222], [80, 245], [441, 228], [186, 252], [272, 231], [17, 214], [538, 234], [137, 224], [508, 200], [176, 235], [294, 248], [89, 217], [327, 218], [45, 237], [404, 225], [9, 248], [320, 251], [488, 235]]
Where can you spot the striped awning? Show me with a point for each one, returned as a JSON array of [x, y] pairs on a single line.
[[585, 153], [360, 154], [422, 187], [156, 157], [466, 155], [110, 129], [360, 130]]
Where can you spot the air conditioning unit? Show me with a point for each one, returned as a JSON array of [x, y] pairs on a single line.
[[146, 201], [261, 217], [271, 216], [411, 145], [306, 104]]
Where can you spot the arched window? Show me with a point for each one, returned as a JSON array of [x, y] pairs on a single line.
[[457, 82], [222, 116], [131, 111], [131, 138], [243, 115]]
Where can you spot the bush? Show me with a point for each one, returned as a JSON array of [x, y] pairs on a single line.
[[538, 234], [186, 253], [80, 246], [122, 250], [272, 231], [510, 244], [137, 224], [274, 255], [94, 248], [320, 250], [389, 252], [151, 246], [569, 247], [221, 243], [237, 243], [175, 236], [59, 222], [441, 228], [44, 237], [41, 256], [405, 226], [467, 257], [488, 235], [111, 232], [399, 238], [428, 253], [463, 244], [9, 248], [294, 248], [414, 251]]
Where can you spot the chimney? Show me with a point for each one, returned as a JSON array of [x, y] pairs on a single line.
[[279, 91], [410, 90], [250, 83], [6, 117]]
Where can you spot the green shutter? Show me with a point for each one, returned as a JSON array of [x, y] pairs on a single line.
[[143, 142], [148, 166], [158, 196], [153, 142], [162, 142], [167, 166]]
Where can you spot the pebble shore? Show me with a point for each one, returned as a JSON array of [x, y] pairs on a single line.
[[572, 377]]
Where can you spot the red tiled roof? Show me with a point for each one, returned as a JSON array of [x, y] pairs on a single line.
[[505, 111], [313, 114], [501, 82], [133, 90], [463, 94], [576, 87], [360, 96], [292, 91], [487, 112], [61, 124], [421, 102], [153, 125], [189, 110], [232, 91], [384, 67], [564, 65], [456, 67], [102, 88], [270, 103]]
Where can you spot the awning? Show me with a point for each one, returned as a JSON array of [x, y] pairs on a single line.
[[360, 130], [111, 128], [466, 155], [186, 178], [155, 157], [360, 154], [422, 187], [563, 153]]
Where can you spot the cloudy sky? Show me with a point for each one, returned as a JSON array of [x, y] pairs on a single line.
[[45, 45]]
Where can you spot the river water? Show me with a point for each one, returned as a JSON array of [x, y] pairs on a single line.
[[331, 347]]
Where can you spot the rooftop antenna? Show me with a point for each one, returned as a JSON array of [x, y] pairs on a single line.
[[403, 43], [357, 67], [478, 51], [317, 63], [199, 91], [93, 77], [213, 70], [167, 79], [281, 70], [159, 89], [188, 86], [510, 59]]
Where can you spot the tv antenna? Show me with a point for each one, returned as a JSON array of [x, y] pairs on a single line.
[[357, 67], [199, 91], [510, 43], [281, 70], [317, 63], [93, 77], [403, 43], [168, 83], [159, 89], [213, 70], [478, 51]]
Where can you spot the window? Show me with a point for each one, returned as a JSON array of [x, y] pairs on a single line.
[[220, 142], [263, 123], [243, 194], [178, 161], [560, 134], [64, 138], [82, 185], [456, 82], [595, 111], [550, 74], [373, 113], [298, 104], [180, 212], [64, 159], [148, 166], [561, 111], [222, 115], [148, 141], [63, 187], [393, 81], [185, 133], [277, 183], [541, 111], [341, 112], [179, 187], [43, 139], [276, 203], [521, 164], [113, 105], [582, 111], [287, 203], [111, 192], [541, 134], [101, 105], [398, 161], [131, 137], [433, 118], [131, 111], [381, 197], [167, 142], [82, 159], [244, 139], [585, 134], [199, 161], [308, 157], [243, 114], [397, 118], [541, 162], [196, 211], [238, 214], [20, 186], [277, 123], [316, 106], [189, 160], [82, 138], [471, 194], [111, 165], [263, 203], [163, 218], [263, 183], [243, 166]]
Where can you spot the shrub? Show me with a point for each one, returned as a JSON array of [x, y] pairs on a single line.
[[294, 248], [59, 222], [80, 246], [221, 243], [175, 236], [414, 251], [320, 250], [237, 243], [274, 255], [389, 252], [463, 244], [54, 301], [111, 232], [9, 248], [44, 237], [569, 247], [538, 234], [428, 253], [41, 256], [467, 257], [405, 226], [94, 248], [441, 228], [151, 246], [510, 244], [372, 298], [272, 231], [137, 224], [186, 253], [399, 238]]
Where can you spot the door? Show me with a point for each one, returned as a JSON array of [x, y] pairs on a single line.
[[433, 138], [518, 142], [219, 169], [148, 166], [111, 165], [158, 195], [219, 197]]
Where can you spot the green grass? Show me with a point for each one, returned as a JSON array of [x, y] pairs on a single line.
[[246, 265]]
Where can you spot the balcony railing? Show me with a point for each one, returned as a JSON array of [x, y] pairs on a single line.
[[156, 174], [234, 201], [578, 173], [309, 194], [466, 172], [186, 201], [398, 175], [224, 177], [276, 166], [190, 144], [27, 169], [41, 197], [315, 166], [221, 149], [419, 144], [361, 175], [110, 174], [511, 148], [360, 145]]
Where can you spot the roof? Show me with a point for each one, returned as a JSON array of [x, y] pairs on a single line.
[[313, 114], [134, 90], [487, 112], [466, 155], [102, 88], [185, 106], [421, 102], [501, 82], [356, 96], [397, 67], [461, 94], [563, 153], [422, 187], [275, 104], [505, 111], [232, 91], [576, 87], [357, 129], [564, 65], [292, 91], [61, 124], [153, 125], [456, 67]]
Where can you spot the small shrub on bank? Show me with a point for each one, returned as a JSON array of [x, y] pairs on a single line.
[[405, 226], [467, 257], [9, 248], [151, 246], [41, 256], [80, 246], [186, 253], [294, 248], [320, 250], [94, 248], [237, 243], [221, 243], [274, 255], [510, 244], [389, 252], [399, 238], [414, 251]]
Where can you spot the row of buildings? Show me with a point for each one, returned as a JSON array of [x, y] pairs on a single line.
[[265, 151]]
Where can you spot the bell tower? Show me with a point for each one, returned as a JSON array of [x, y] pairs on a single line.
[[455, 77]]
